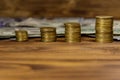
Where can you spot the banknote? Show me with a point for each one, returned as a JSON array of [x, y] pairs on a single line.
[[32, 25]]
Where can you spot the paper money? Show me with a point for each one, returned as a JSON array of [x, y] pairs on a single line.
[[32, 25]]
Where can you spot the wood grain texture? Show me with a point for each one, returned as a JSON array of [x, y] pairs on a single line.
[[35, 60], [59, 8]]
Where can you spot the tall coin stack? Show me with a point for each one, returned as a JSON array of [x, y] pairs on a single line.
[[72, 32], [48, 34], [21, 35], [104, 29]]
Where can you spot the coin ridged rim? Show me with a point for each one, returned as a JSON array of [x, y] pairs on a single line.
[[72, 24], [42, 29], [104, 16]]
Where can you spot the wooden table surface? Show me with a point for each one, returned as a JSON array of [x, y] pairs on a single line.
[[35, 60]]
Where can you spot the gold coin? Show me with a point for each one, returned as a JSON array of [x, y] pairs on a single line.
[[47, 29], [104, 29], [104, 40], [104, 17], [48, 34], [72, 32], [71, 24], [21, 35]]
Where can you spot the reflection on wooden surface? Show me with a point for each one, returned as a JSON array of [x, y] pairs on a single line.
[[36, 60]]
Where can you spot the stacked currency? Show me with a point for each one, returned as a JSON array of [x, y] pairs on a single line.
[[48, 34], [104, 29], [72, 32], [21, 35]]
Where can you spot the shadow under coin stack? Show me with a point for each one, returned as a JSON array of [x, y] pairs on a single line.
[[48, 34], [104, 29], [21, 35], [72, 32]]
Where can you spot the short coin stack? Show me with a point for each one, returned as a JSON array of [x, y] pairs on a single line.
[[48, 34], [104, 29], [72, 32], [21, 35]]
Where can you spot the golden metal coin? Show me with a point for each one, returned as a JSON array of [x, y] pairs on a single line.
[[72, 32], [47, 29], [48, 34], [69, 24], [102, 40], [104, 29], [21, 35]]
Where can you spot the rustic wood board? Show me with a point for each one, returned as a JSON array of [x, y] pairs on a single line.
[[35, 60]]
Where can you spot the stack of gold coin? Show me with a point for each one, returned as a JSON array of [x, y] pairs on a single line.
[[72, 32], [48, 34], [104, 29], [21, 35]]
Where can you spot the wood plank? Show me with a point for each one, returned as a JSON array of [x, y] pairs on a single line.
[[35, 60]]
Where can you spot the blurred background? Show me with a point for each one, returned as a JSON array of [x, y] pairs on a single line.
[[59, 8]]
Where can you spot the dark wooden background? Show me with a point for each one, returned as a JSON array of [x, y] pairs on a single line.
[[59, 8]]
